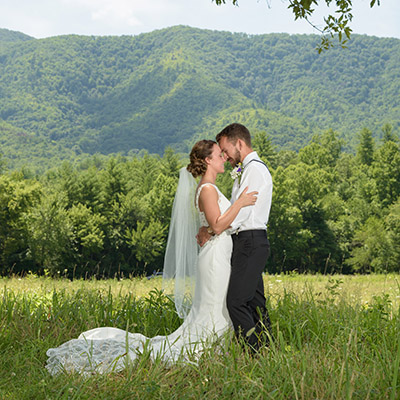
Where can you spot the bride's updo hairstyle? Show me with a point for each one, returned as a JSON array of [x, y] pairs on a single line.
[[200, 151]]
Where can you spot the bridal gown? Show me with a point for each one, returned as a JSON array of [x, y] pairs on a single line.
[[108, 349]]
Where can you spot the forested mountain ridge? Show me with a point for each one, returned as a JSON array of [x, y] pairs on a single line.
[[69, 95], [12, 36]]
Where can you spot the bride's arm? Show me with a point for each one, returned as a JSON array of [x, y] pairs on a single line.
[[208, 202]]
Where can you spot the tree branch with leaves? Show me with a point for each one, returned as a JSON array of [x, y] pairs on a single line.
[[336, 24]]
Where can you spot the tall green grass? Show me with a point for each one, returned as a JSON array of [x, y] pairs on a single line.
[[329, 343]]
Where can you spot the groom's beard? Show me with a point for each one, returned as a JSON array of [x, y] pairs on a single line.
[[235, 160]]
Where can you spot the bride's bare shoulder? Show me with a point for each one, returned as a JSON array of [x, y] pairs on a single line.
[[207, 189]]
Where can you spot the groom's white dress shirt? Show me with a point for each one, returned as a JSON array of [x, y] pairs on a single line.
[[257, 177]]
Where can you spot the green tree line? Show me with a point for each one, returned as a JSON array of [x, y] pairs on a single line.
[[332, 211]]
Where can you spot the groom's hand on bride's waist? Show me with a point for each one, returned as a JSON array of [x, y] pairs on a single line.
[[203, 235]]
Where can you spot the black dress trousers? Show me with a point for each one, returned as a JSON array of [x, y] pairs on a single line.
[[245, 297]]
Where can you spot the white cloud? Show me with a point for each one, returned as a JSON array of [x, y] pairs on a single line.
[[116, 14], [120, 13]]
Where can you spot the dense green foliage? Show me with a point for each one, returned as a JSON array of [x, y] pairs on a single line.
[[104, 217], [12, 36], [69, 96], [331, 211]]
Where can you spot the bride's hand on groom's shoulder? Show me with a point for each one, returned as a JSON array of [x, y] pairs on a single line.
[[202, 236]]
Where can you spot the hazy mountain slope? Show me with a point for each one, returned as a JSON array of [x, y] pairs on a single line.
[[12, 36]]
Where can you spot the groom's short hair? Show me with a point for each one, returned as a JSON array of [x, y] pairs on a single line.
[[233, 132]]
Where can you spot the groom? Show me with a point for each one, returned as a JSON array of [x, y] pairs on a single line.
[[245, 297]]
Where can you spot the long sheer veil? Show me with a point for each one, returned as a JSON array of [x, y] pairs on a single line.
[[180, 260]]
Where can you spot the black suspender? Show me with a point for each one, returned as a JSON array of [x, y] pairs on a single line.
[[257, 161]]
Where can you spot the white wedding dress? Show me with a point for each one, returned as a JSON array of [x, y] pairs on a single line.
[[109, 349]]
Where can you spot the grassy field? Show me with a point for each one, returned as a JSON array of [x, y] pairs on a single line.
[[336, 337]]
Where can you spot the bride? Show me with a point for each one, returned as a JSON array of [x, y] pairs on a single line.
[[108, 349]]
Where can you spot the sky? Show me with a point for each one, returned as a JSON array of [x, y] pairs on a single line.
[[46, 18]]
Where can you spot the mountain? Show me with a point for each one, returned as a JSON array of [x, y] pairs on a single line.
[[7, 36], [72, 95]]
